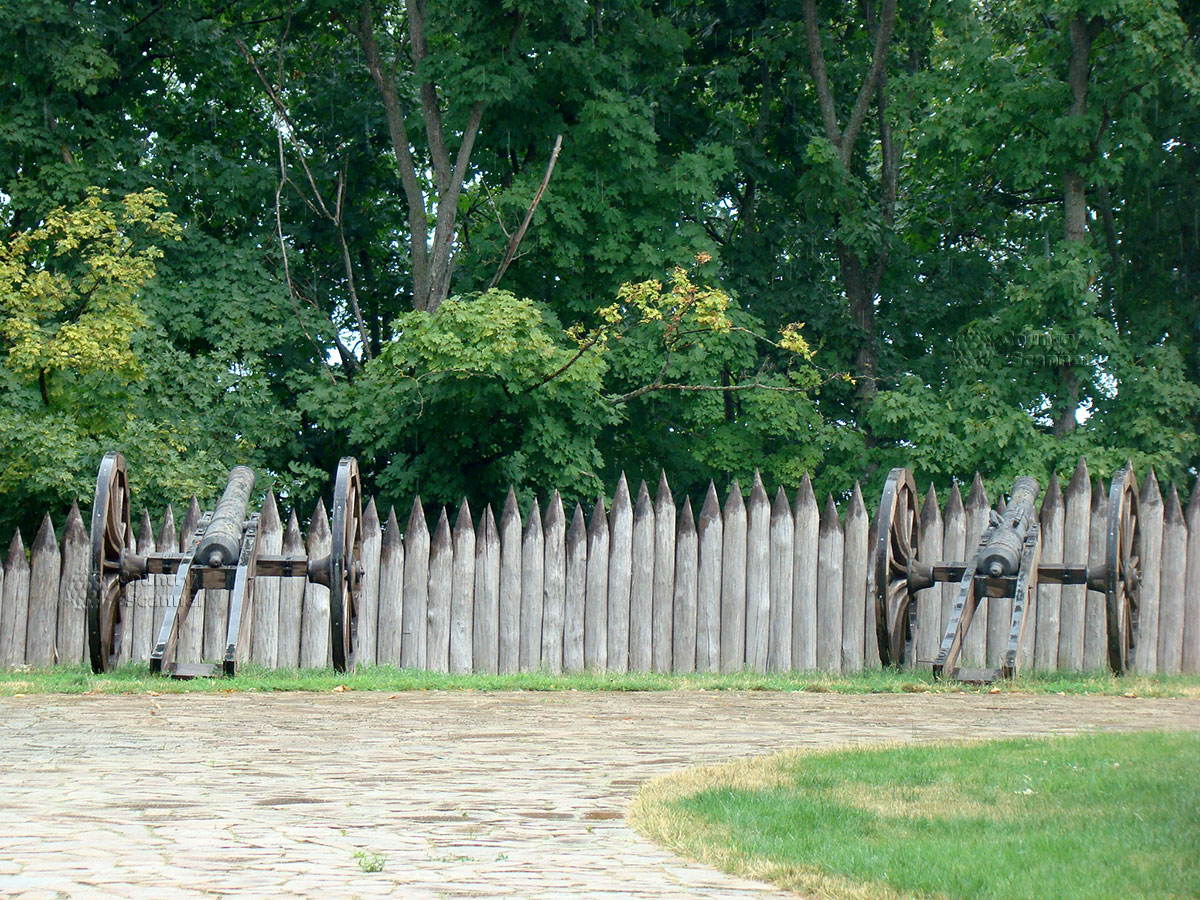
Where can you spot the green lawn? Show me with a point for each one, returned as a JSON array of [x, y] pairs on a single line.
[[137, 678], [1097, 816]]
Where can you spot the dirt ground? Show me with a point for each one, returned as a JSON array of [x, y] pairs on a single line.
[[455, 794]]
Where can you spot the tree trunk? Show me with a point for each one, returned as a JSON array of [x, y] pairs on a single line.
[[1082, 34], [860, 279]]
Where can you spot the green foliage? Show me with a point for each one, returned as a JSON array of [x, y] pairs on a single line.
[[68, 288], [484, 393], [370, 862], [690, 131]]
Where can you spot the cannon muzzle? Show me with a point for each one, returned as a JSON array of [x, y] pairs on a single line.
[[222, 539], [1001, 555]]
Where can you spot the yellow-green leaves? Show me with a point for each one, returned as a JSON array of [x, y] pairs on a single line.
[[69, 286], [684, 304]]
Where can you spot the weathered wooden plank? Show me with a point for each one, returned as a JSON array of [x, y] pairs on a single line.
[[710, 539], [142, 591], [662, 638], [683, 598], [871, 658], [216, 621], [190, 646], [1191, 615], [1171, 588], [408, 600], [779, 623], [14, 613], [595, 611], [974, 649], [641, 585], [854, 583], [72, 590], [829, 589], [44, 571], [758, 576], [1049, 603], [1077, 527], [391, 624], [291, 600], [124, 637], [1095, 626], [510, 587], [733, 582], [4, 615], [167, 542], [485, 638], [366, 649], [554, 592], [315, 646], [264, 624], [954, 548], [805, 552], [575, 593], [929, 601], [620, 577], [1146, 653], [441, 592], [531, 584], [462, 593]]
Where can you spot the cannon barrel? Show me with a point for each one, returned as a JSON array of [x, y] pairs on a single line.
[[1001, 555], [222, 539]]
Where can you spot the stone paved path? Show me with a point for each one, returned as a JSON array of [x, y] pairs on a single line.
[[467, 795]]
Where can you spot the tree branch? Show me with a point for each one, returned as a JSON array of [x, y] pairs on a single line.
[[711, 388], [515, 241], [293, 294], [816, 59], [447, 213], [358, 316], [878, 60], [431, 107], [417, 226]]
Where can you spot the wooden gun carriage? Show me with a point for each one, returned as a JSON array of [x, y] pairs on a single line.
[[1004, 564], [221, 554]]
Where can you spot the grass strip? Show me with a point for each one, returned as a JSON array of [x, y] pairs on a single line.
[[136, 678], [1095, 816]]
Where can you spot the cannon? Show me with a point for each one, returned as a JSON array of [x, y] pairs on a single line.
[[1005, 563], [223, 554]]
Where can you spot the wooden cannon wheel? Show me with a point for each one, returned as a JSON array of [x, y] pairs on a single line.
[[345, 563], [895, 547], [111, 529], [1123, 563]]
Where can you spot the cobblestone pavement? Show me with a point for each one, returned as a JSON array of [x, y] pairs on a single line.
[[465, 794]]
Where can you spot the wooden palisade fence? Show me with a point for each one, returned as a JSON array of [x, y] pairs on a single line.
[[764, 585]]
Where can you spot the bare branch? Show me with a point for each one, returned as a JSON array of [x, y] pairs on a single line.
[[515, 241], [358, 316], [287, 271], [282, 112]]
